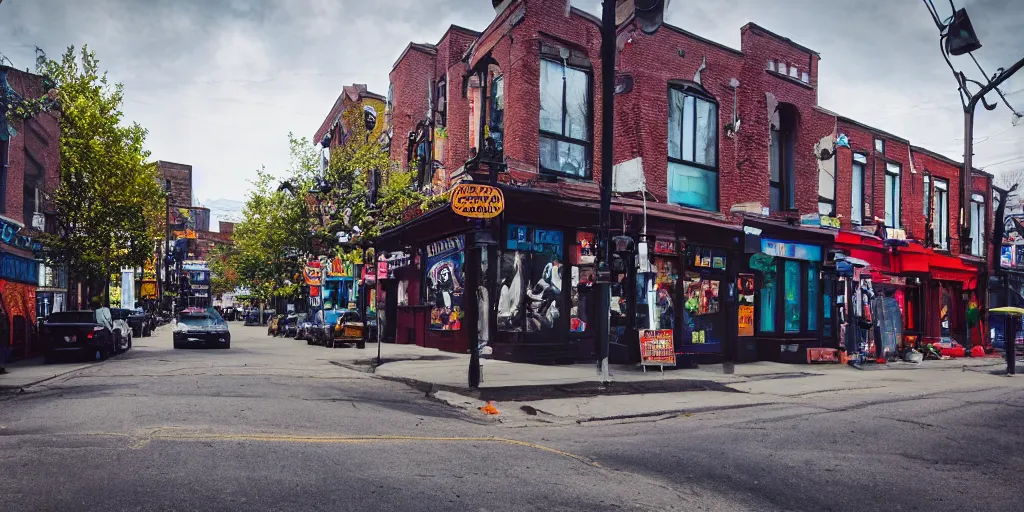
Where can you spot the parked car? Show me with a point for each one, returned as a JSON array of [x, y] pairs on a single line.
[[201, 328], [315, 328], [294, 322], [348, 328], [88, 333], [282, 324], [138, 322], [122, 330], [305, 326]]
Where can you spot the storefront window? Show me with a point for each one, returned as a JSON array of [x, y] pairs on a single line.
[[531, 280], [813, 293], [583, 275], [792, 296], [768, 294], [445, 282], [664, 287]]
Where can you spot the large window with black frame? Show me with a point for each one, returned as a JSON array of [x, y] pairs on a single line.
[[566, 145], [692, 148], [781, 163], [893, 174]]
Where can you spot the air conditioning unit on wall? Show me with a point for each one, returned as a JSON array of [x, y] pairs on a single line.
[[39, 221]]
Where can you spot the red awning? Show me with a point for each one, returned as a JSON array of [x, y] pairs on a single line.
[[864, 247]]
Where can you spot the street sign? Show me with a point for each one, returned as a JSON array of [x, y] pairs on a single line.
[[477, 201]]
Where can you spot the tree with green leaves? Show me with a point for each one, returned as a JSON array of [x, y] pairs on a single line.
[[109, 203], [284, 224]]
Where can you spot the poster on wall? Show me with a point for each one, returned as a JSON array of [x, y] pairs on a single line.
[[586, 250], [656, 348], [583, 279], [445, 283], [745, 312], [702, 296], [531, 280]]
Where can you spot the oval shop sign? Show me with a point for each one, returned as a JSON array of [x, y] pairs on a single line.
[[477, 201]]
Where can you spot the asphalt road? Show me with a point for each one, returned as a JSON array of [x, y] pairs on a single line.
[[271, 425]]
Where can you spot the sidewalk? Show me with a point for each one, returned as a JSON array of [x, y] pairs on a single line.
[[28, 372], [575, 391]]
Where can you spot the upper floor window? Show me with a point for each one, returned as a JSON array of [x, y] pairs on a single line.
[[892, 195], [926, 200], [441, 104], [940, 221], [857, 188], [783, 172], [827, 186], [977, 225], [880, 146], [565, 127], [692, 149], [496, 121]]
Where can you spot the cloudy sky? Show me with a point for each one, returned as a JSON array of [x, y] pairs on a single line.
[[220, 83]]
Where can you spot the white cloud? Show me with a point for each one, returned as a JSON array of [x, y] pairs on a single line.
[[220, 84]]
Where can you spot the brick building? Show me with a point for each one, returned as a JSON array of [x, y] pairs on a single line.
[[29, 174], [181, 181], [745, 189]]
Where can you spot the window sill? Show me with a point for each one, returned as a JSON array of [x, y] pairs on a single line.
[[789, 79]]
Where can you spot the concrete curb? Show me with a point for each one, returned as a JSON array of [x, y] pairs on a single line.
[[669, 412], [17, 388], [524, 393]]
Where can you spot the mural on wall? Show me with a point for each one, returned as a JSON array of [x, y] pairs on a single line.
[[444, 269], [17, 311], [531, 280]]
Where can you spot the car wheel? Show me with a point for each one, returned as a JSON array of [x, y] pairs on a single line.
[[177, 346], [49, 358], [129, 346]]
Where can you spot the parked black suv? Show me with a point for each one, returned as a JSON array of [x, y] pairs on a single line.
[[80, 333]]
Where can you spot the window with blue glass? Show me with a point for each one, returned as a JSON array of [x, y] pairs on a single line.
[[692, 149], [793, 298]]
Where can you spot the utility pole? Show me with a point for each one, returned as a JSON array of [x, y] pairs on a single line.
[[648, 15], [167, 240], [957, 37]]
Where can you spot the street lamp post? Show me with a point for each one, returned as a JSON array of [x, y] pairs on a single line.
[[167, 238]]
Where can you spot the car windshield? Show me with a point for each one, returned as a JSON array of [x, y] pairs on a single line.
[[207, 318], [72, 317]]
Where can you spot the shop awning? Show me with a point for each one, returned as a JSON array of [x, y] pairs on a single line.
[[912, 258]]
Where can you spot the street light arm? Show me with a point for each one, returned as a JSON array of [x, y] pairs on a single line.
[[995, 82]]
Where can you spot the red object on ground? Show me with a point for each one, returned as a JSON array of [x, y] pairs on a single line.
[[977, 351], [956, 350]]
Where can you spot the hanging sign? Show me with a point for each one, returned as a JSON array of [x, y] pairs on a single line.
[[477, 201], [656, 348], [313, 273]]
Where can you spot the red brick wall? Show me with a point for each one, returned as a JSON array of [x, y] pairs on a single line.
[[181, 181], [641, 122], [410, 80], [38, 137], [642, 118], [518, 55]]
